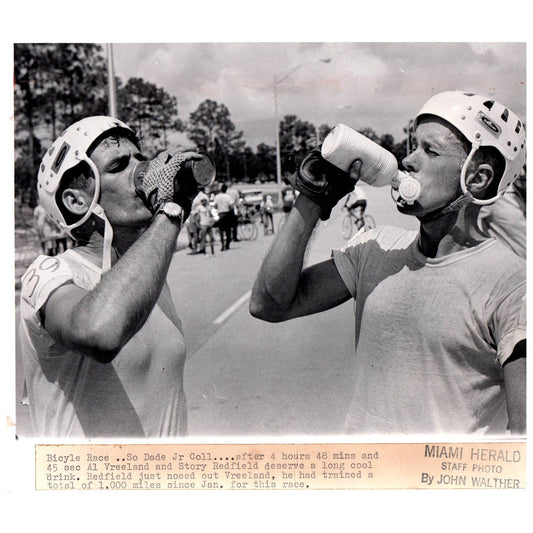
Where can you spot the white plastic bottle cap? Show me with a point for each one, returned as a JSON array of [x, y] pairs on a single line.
[[409, 189]]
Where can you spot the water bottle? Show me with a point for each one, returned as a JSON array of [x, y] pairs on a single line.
[[343, 145], [203, 171]]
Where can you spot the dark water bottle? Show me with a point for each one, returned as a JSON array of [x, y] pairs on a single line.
[[202, 171]]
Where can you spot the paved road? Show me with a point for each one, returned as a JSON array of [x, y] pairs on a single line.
[[248, 377], [245, 377]]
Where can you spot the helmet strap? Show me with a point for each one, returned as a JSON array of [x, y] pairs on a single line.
[[108, 238], [456, 205], [466, 197]]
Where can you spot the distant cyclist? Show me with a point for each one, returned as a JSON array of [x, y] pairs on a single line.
[[356, 203], [288, 195]]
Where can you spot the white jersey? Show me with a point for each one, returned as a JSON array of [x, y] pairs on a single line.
[[431, 334], [139, 394], [223, 203]]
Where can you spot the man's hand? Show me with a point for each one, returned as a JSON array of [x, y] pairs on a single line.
[[322, 182], [166, 179]]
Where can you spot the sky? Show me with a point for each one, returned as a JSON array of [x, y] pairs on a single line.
[[380, 85]]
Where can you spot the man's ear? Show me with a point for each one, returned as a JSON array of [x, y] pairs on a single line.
[[76, 201], [480, 179]]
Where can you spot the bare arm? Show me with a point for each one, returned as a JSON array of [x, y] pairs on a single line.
[[514, 375], [99, 322], [282, 291]]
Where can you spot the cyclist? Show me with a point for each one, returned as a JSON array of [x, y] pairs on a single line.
[[102, 345], [440, 313], [355, 204], [288, 195]]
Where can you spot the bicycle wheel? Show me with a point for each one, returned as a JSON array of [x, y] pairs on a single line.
[[369, 221], [245, 231], [254, 231], [347, 226]]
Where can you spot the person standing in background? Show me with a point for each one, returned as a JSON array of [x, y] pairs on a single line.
[[224, 206]]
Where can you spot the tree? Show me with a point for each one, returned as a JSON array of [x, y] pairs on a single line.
[[296, 138], [210, 127], [151, 110], [266, 159], [27, 105], [370, 134], [55, 85], [243, 164], [323, 131]]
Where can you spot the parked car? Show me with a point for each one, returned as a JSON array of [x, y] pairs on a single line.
[[252, 199]]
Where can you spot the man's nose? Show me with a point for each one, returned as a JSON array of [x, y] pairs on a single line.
[[408, 162]]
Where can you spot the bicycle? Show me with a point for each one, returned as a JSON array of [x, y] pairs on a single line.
[[247, 226], [349, 222]]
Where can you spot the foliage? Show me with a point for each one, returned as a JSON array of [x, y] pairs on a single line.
[[296, 138], [57, 84], [150, 110], [210, 127], [266, 160], [323, 131]]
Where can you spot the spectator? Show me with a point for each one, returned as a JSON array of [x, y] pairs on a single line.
[[53, 240], [235, 196], [224, 206], [288, 196], [204, 221]]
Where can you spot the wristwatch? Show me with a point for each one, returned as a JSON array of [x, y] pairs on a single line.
[[172, 210]]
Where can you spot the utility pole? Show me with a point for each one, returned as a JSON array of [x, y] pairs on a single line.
[[112, 90]]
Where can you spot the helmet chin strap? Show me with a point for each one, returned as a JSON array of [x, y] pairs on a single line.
[[465, 198], [108, 238], [456, 205]]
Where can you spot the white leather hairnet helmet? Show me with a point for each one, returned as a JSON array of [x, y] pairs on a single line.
[[484, 122], [68, 151]]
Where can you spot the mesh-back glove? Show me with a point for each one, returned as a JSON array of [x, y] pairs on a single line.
[[164, 179], [321, 182]]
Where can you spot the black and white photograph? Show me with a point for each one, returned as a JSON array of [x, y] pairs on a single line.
[[276, 243], [267, 224]]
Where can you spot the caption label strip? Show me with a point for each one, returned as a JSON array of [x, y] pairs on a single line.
[[500, 465]]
